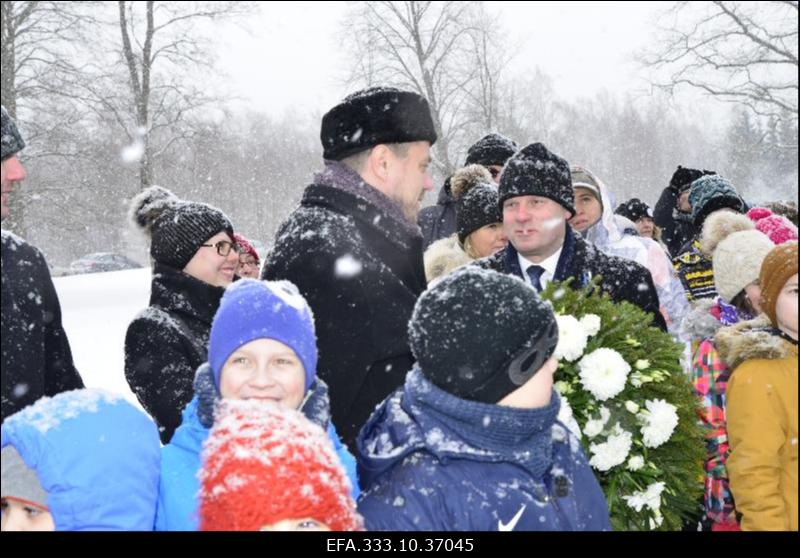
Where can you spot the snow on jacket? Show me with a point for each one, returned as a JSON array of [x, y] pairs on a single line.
[[97, 457], [167, 342], [181, 458], [36, 358], [431, 461], [360, 268]]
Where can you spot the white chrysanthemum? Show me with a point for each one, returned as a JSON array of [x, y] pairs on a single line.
[[591, 324], [594, 427], [635, 463], [614, 451], [661, 419], [572, 338], [565, 416], [603, 373], [650, 498]]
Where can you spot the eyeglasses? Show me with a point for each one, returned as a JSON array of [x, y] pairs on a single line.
[[224, 247], [250, 262]]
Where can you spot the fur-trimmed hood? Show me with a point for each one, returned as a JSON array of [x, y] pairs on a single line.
[[443, 256], [752, 339]]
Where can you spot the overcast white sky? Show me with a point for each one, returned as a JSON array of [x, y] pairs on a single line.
[[290, 57]]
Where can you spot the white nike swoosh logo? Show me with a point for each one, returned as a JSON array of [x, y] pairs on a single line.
[[513, 523]]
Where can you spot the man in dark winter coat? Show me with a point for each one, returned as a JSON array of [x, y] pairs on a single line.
[[708, 194], [439, 221], [471, 442], [673, 212], [36, 358], [354, 250], [537, 200]]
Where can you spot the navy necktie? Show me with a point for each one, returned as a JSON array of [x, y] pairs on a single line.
[[535, 272]]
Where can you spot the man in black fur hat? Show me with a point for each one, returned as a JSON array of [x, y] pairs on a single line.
[[354, 250]]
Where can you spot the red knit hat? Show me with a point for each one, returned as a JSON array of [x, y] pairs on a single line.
[[263, 464], [777, 227], [249, 248]]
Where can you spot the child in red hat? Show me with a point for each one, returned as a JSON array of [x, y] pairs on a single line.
[[268, 468]]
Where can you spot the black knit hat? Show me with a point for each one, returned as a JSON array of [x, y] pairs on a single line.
[[491, 149], [634, 209], [177, 228], [12, 141], [683, 177], [479, 334], [477, 200], [536, 171], [374, 116]]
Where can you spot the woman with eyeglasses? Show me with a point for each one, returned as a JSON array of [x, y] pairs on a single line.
[[249, 262], [195, 257]]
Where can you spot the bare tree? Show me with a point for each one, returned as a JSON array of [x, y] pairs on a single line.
[[740, 52], [442, 50], [35, 49]]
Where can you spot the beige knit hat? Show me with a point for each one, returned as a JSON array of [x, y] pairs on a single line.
[[737, 261]]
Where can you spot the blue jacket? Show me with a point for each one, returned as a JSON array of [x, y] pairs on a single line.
[[97, 457], [181, 459], [431, 461]]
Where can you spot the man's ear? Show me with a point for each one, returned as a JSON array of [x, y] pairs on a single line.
[[378, 161]]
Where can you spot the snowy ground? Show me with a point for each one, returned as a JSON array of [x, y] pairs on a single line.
[[96, 310]]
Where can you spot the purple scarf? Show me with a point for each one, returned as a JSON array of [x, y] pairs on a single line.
[[340, 176]]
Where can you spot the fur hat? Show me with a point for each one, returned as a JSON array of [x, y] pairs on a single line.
[[479, 335], [374, 116], [491, 149], [779, 265], [177, 228], [536, 171], [263, 464], [478, 201]]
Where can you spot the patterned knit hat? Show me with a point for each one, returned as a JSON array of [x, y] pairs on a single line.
[[712, 193], [779, 265], [12, 141], [263, 464], [177, 228], [536, 171]]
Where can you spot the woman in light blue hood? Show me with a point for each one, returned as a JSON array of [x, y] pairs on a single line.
[[262, 347], [88, 458]]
